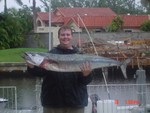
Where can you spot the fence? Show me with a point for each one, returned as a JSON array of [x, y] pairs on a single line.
[[8, 99], [123, 94], [118, 98]]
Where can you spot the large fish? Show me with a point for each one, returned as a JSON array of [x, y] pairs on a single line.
[[71, 62]]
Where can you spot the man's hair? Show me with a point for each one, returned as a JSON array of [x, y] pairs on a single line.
[[64, 28]]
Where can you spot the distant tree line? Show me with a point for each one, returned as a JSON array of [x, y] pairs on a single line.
[[118, 6]]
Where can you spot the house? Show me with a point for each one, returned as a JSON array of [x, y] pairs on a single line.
[[82, 19], [94, 19], [132, 23], [92, 23], [75, 17]]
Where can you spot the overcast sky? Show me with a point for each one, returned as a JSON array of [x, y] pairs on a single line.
[[12, 3]]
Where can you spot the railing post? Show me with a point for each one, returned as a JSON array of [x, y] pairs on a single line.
[[38, 93], [141, 87]]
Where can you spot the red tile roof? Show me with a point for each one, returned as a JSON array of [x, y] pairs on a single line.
[[93, 22], [57, 19], [92, 17], [43, 16], [134, 21]]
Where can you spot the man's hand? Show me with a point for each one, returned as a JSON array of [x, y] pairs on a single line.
[[86, 68]]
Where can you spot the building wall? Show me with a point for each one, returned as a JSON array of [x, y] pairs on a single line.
[[45, 30]]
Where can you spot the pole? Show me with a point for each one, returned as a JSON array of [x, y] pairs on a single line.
[[95, 53], [49, 39], [141, 88]]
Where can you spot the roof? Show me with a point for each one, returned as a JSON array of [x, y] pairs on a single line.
[[92, 17], [134, 20], [93, 22], [43, 16], [70, 12], [65, 15]]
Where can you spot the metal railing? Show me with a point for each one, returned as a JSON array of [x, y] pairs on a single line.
[[113, 98], [123, 94], [8, 98], [123, 97], [120, 98]]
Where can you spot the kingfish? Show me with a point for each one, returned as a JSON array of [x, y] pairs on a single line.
[[72, 62]]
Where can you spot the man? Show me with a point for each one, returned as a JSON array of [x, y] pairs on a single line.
[[64, 92]]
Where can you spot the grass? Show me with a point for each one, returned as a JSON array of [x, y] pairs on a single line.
[[15, 55]]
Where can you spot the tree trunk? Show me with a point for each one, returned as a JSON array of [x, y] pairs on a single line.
[[5, 6]]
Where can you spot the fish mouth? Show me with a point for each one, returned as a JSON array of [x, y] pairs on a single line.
[[27, 58], [24, 55]]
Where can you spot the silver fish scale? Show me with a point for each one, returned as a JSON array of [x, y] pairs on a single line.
[[77, 58]]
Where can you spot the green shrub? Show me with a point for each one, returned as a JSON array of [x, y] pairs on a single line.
[[145, 26]]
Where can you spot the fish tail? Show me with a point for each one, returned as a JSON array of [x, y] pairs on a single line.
[[124, 66]]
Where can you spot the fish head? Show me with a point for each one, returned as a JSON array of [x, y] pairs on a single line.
[[41, 60], [33, 58]]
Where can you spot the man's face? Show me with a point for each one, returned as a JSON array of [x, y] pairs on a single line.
[[65, 37]]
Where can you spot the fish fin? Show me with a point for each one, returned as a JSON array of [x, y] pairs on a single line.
[[124, 66]]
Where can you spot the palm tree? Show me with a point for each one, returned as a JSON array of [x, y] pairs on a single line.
[[19, 2], [34, 13]]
